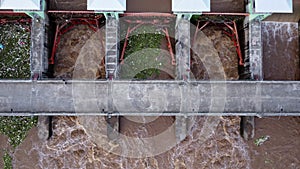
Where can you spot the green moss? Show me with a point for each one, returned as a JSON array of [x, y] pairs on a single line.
[[147, 73], [16, 128], [15, 56], [15, 64], [7, 159], [216, 18], [140, 41]]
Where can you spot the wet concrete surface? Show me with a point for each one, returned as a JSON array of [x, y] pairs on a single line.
[[280, 50]]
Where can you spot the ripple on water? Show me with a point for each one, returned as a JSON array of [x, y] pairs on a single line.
[[81, 142], [73, 147]]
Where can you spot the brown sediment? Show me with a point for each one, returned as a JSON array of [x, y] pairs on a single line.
[[280, 37]]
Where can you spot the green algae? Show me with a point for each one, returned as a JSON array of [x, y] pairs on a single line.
[[145, 37], [7, 161], [16, 128], [15, 55], [15, 64]]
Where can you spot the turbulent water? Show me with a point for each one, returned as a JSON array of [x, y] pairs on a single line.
[[79, 55], [143, 142], [280, 45], [73, 145], [214, 56]]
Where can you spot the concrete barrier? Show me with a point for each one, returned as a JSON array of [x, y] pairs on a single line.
[[147, 98]]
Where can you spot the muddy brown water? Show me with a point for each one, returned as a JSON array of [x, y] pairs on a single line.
[[90, 65], [72, 148], [214, 56], [212, 142], [282, 150], [81, 142]]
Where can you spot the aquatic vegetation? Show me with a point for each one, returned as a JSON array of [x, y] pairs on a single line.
[[217, 18], [7, 161], [15, 64], [144, 40], [16, 128], [15, 51], [143, 75]]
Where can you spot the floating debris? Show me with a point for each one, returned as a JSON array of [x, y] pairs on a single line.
[[261, 140]]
